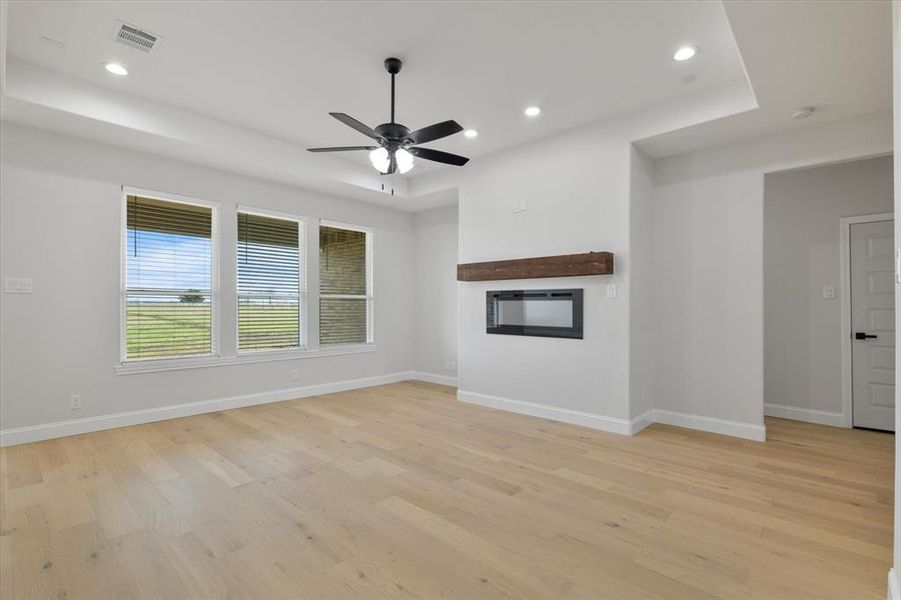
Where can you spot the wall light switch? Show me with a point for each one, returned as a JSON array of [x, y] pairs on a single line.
[[828, 292], [520, 205], [18, 285], [611, 290]]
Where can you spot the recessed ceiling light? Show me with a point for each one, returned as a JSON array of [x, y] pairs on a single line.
[[115, 68], [685, 52], [470, 133], [803, 112], [532, 111]]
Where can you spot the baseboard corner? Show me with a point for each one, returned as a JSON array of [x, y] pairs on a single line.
[[894, 586], [641, 421]]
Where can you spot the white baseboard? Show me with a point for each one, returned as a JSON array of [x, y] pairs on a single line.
[[808, 415], [433, 378], [616, 425], [35, 433], [565, 415], [894, 586], [641, 421], [711, 424]]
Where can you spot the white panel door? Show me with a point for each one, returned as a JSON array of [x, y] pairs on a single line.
[[873, 325]]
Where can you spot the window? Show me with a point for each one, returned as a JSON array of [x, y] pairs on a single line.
[[168, 291], [269, 282], [345, 285]]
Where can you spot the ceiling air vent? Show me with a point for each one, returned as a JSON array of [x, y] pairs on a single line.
[[136, 37]]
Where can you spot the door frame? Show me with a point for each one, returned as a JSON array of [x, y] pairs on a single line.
[[845, 285]]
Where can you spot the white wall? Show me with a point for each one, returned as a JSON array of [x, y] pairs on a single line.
[[708, 262], [59, 224], [802, 330], [895, 585], [708, 305], [642, 361], [576, 187], [435, 260]]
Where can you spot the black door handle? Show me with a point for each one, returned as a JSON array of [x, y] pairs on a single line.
[[862, 336]]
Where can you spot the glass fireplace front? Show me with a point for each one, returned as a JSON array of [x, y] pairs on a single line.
[[543, 313]]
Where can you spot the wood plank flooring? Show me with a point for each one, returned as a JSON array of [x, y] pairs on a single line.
[[400, 491]]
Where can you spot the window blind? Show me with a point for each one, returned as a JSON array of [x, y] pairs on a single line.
[[345, 302], [168, 279], [269, 283]]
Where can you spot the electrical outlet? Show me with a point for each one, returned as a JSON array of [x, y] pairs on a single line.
[[828, 292], [611, 290], [450, 365], [295, 374], [75, 402]]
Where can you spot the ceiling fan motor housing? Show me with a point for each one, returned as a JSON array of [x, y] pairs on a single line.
[[394, 133]]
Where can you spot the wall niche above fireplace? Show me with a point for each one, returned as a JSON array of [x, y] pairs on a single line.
[[541, 313]]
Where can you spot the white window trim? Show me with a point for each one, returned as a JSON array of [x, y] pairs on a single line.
[[368, 296], [123, 273], [302, 292]]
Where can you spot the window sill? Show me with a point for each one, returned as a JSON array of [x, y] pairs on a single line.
[[200, 362]]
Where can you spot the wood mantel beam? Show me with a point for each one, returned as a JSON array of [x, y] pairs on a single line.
[[564, 265]]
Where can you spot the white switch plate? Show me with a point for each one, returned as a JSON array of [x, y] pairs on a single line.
[[828, 292], [520, 205], [18, 285], [611, 290]]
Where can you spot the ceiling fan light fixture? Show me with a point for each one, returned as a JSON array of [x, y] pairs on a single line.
[[404, 160], [397, 145], [380, 160], [532, 111]]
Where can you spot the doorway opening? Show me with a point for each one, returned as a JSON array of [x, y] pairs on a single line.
[[814, 218]]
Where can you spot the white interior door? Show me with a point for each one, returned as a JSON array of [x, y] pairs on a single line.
[[873, 325]]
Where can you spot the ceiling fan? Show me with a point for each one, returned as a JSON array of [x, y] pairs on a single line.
[[397, 145]]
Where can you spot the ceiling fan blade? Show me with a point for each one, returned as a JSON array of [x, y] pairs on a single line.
[[435, 132], [439, 156], [341, 148], [351, 122]]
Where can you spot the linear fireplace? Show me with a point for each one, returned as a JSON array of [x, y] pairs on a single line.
[[543, 313]]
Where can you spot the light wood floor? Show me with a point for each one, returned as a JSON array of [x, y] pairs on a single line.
[[400, 491]]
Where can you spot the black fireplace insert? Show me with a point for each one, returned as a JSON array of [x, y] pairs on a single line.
[[542, 313]]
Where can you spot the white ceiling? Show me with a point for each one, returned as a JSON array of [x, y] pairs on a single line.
[[833, 55], [278, 68], [247, 86]]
